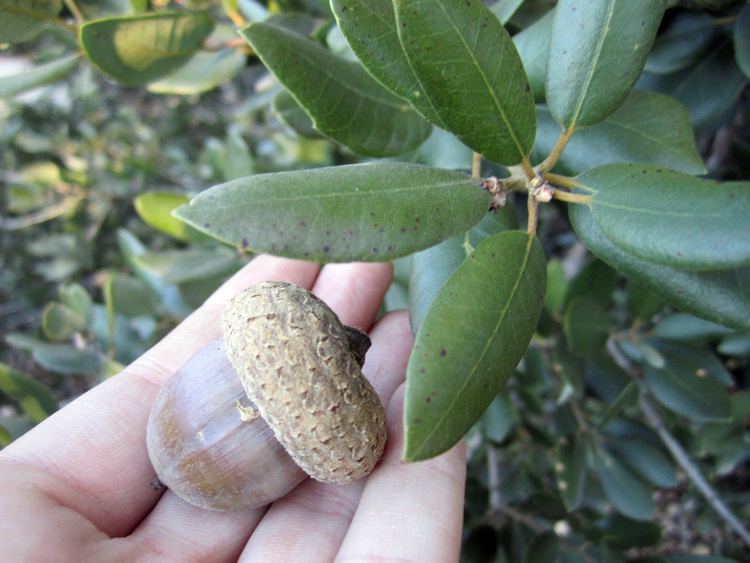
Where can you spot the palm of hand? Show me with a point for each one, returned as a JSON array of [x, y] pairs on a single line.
[[77, 486]]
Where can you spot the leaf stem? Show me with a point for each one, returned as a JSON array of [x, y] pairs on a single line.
[[233, 14], [533, 206], [678, 452], [571, 198], [476, 165], [557, 150], [564, 181], [681, 457], [527, 168], [73, 8]]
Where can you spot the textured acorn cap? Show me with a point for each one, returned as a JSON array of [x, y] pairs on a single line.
[[294, 359]]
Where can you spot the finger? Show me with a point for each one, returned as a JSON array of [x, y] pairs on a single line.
[[354, 291], [359, 289], [309, 523], [95, 447], [408, 511]]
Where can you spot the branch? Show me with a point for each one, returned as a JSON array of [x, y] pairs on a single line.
[[678, 452], [682, 458]]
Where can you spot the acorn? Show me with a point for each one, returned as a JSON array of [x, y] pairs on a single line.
[[281, 396]]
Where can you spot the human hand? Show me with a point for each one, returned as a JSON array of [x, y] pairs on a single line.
[[77, 487]]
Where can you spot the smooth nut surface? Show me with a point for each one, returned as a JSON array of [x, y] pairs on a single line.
[[294, 359], [204, 451]]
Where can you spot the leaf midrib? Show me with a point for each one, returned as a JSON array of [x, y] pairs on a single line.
[[498, 105], [597, 54], [344, 194]]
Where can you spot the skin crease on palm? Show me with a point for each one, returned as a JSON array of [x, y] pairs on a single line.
[[77, 487]]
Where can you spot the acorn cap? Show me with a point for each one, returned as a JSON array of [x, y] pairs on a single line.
[[296, 363]]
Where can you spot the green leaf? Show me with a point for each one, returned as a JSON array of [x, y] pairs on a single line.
[[624, 533], [647, 461], [504, 9], [203, 72], [586, 326], [708, 88], [75, 297], [66, 360], [136, 50], [652, 213], [628, 494], [370, 29], [471, 340], [344, 102], [698, 559], [155, 208], [735, 345], [648, 128], [642, 303], [682, 43], [373, 212], [687, 328], [557, 286], [628, 397], [571, 470], [533, 47], [128, 296], [702, 360], [679, 388], [34, 398], [100, 8], [595, 281], [60, 322], [21, 20], [291, 113], [238, 162], [499, 418], [742, 39], [544, 548], [180, 266], [40, 75], [442, 150], [471, 73], [432, 267], [5, 436], [720, 296], [301, 24], [597, 52]]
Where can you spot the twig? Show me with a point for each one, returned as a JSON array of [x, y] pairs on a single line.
[[71, 5], [681, 457], [476, 165], [678, 452]]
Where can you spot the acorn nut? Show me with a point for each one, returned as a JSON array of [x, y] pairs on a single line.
[[281, 396]]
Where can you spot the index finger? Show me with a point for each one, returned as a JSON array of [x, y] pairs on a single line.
[[95, 447]]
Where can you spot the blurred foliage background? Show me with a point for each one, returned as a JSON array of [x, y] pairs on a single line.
[[94, 270]]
